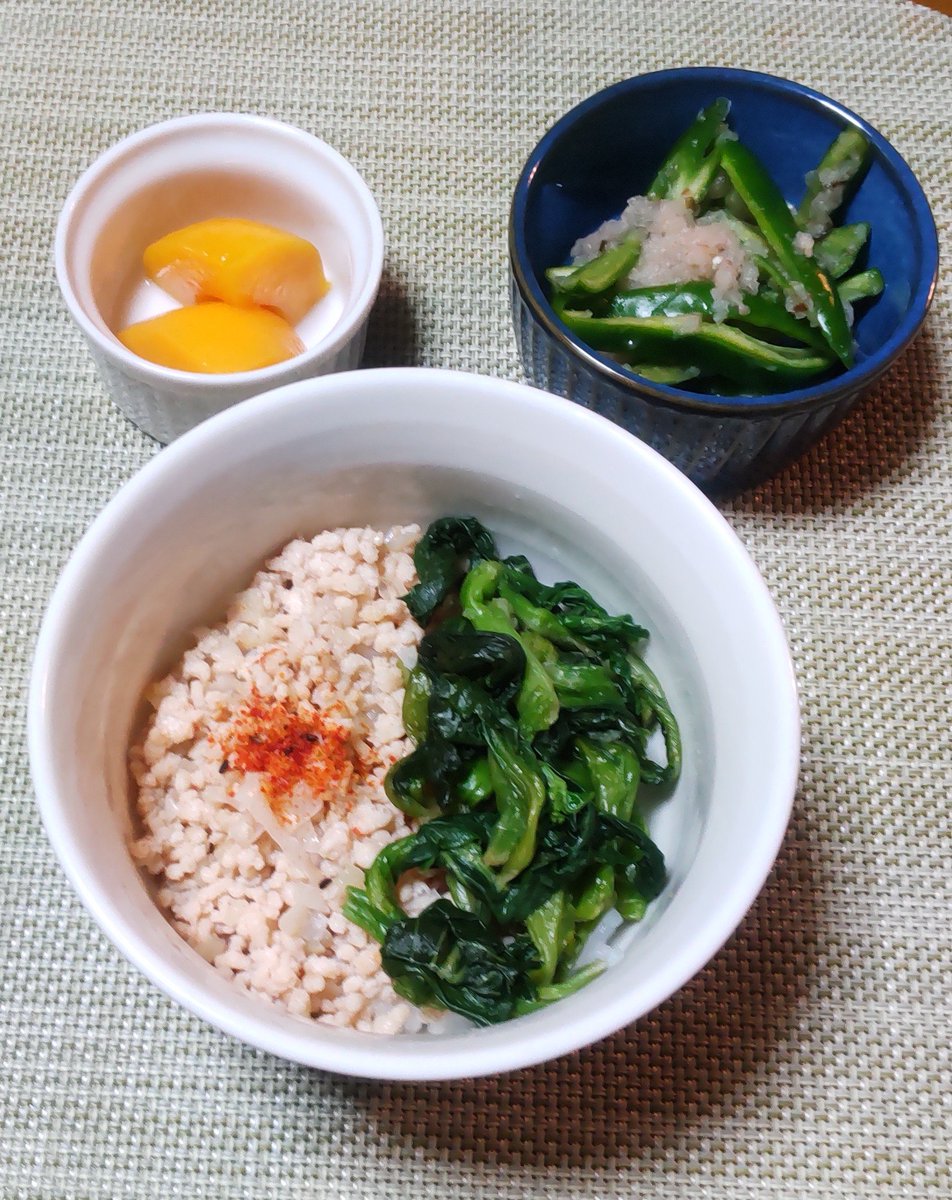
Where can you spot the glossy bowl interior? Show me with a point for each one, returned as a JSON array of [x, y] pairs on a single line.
[[583, 500], [608, 149]]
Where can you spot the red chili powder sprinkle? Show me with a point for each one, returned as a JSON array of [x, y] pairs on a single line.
[[289, 744]]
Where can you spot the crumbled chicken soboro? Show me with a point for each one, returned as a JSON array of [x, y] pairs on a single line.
[[252, 830]]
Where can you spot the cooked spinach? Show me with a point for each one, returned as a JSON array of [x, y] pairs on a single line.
[[531, 708], [448, 957], [441, 559]]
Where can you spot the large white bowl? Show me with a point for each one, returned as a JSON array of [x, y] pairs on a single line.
[[584, 500]]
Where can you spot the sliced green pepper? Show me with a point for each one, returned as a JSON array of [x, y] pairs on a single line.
[[550, 927], [599, 274], [745, 233], [664, 300], [670, 376], [718, 349], [735, 206], [776, 223], [773, 273], [838, 251], [764, 312], [861, 287], [694, 159], [679, 299], [839, 168]]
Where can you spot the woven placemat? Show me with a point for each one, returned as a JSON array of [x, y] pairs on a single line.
[[811, 1058]]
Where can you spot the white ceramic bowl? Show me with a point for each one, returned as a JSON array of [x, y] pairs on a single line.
[[189, 169], [584, 500]]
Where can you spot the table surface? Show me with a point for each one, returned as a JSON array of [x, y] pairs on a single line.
[[811, 1057]]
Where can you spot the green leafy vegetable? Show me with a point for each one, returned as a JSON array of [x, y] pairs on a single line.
[[531, 708], [536, 703], [447, 957], [597, 895], [441, 558], [416, 703], [550, 927], [519, 789]]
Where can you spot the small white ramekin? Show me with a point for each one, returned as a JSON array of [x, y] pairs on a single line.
[[189, 169]]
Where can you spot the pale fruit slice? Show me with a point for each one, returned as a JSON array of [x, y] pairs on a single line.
[[213, 339], [241, 262]]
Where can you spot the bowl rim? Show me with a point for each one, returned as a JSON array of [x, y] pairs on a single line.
[[494, 1051], [847, 382], [265, 377]]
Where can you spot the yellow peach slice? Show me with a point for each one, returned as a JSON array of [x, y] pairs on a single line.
[[213, 339], [240, 262]]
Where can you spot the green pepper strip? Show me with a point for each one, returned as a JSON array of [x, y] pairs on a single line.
[[772, 272], [719, 349], [599, 274], [838, 251], [756, 247], [861, 286], [776, 223], [765, 313], [734, 205], [693, 160], [678, 299], [664, 300], [843, 163], [670, 376]]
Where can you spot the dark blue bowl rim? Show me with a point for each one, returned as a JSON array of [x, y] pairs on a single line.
[[845, 384]]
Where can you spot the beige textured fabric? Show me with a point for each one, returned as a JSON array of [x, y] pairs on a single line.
[[811, 1058]]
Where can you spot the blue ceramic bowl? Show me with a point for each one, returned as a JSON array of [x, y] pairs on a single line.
[[608, 149]]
